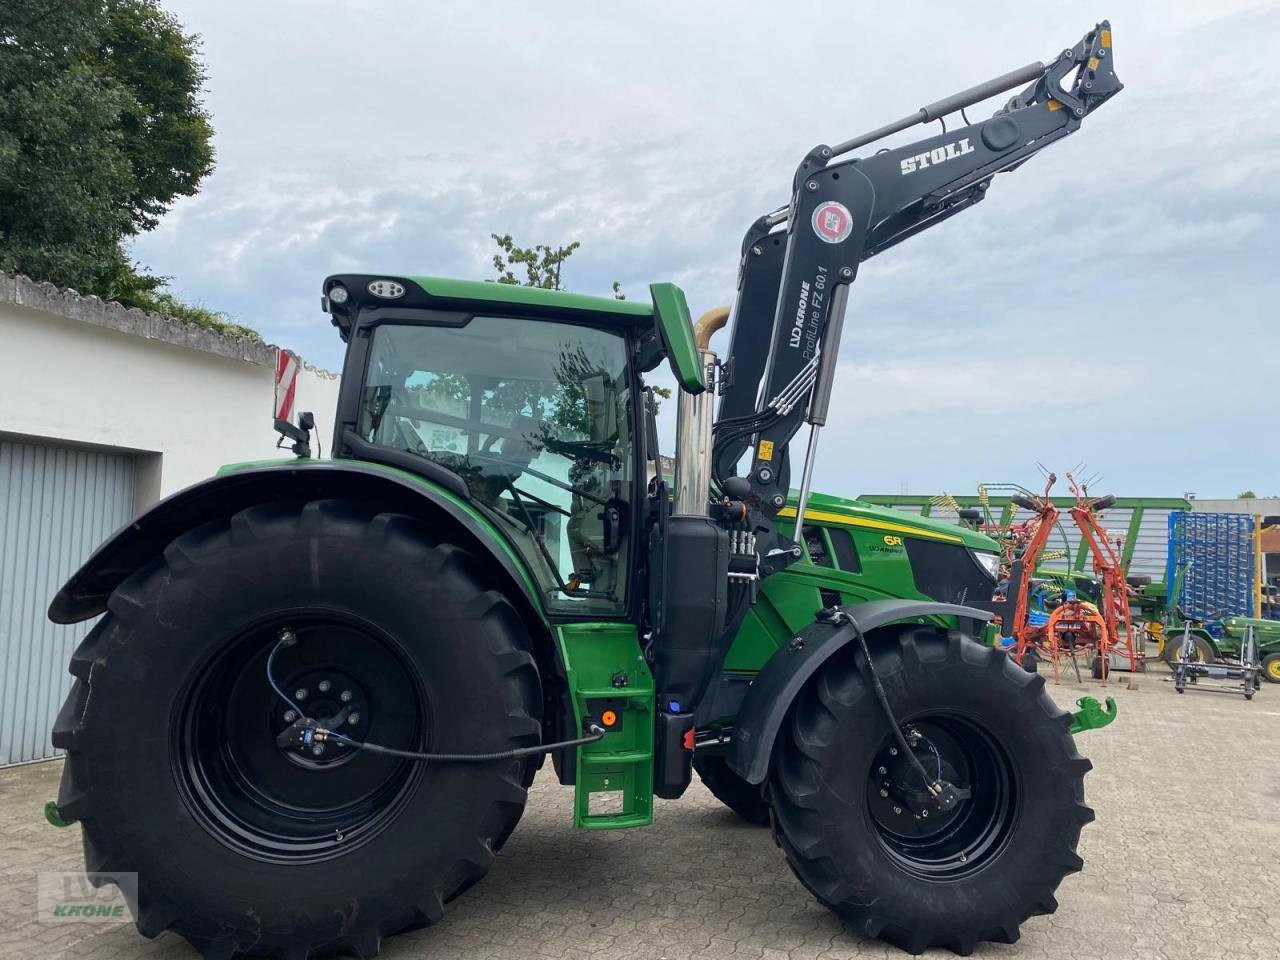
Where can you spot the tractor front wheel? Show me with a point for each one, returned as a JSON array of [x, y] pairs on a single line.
[[744, 799], [860, 829], [243, 842]]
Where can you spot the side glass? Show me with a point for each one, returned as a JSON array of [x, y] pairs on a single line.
[[535, 416]]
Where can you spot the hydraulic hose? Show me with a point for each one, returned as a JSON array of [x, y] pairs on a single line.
[[304, 731], [595, 734], [944, 794]]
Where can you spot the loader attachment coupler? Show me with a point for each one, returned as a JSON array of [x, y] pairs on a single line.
[[799, 261]]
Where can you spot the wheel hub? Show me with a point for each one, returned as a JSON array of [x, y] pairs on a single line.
[[902, 800], [300, 803], [923, 835], [325, 696]]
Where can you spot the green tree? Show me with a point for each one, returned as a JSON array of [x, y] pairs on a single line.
[[541, 263], [1246, 495], [101, 130]]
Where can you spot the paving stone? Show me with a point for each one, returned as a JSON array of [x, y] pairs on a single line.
[[1180, 864]]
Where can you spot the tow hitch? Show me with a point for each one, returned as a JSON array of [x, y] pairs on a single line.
[[1091, 715]]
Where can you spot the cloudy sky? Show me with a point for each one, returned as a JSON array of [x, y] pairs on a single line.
[[1113, 302]]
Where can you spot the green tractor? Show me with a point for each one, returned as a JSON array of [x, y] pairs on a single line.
[[1228, 644], [319, 691]]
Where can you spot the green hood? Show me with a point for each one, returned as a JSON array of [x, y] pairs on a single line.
[[822, 507]]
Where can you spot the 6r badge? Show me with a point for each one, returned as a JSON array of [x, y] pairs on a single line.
[[832, 221]]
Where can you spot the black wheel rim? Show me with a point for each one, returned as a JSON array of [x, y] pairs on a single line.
[[922, 839], [287, 804]]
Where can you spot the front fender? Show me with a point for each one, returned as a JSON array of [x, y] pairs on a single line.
[[143, 539], [785, 673]]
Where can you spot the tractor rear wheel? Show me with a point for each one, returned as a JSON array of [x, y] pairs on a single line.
[[1271, 667], [744, 799], [858, 826], [241, 844]]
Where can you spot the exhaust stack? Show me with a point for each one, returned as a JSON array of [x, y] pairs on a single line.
[[695, 417]]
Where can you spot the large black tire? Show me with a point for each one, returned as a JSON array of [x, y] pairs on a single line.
[[988, 864], [744, 799], [181, 655], [1172, 651]]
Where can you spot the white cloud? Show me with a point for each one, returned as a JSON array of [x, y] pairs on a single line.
[[1114, 296]]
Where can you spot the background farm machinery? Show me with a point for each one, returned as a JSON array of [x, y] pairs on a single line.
[[1050, 614]]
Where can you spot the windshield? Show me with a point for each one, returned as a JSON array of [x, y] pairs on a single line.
[[534, 415]]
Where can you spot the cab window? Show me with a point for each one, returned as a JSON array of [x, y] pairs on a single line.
[[535, 416]]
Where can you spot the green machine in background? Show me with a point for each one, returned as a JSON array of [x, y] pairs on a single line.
[[1141, 523]]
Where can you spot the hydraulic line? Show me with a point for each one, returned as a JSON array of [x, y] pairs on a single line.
[[305, 731], [945, 795]]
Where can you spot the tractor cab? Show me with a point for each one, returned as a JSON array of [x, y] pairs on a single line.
[[527, 402]]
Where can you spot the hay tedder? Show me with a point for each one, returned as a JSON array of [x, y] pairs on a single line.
[[320, 689], [1072, 625]]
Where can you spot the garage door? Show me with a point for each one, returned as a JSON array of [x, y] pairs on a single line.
[[56, 505]]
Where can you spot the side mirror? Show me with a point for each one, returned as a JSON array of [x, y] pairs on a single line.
[[300, 435], [675, 333]]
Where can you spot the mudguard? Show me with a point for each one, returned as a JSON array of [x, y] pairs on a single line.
[[85, 594], [787, 671]]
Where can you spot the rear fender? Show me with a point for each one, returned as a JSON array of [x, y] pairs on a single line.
[[143, 539], [785, 674]]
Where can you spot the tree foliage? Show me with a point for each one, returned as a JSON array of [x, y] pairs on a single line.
[[541, 263], [101, 130]]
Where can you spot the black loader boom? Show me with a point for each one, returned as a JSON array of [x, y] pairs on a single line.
[[799, 261]]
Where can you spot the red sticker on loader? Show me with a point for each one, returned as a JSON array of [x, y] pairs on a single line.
[[832, 221]]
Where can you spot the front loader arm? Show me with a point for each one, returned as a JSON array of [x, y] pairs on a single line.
[[842, 213]]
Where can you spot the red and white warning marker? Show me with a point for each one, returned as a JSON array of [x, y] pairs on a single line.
[[832, 221], [287, 364]]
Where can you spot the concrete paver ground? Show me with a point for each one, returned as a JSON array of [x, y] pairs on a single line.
[[1183, 862]]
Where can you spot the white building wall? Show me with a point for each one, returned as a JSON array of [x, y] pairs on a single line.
[[1256, 506], [186, 411]]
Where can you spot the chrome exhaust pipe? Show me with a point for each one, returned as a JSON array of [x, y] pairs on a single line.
[[694, 420]]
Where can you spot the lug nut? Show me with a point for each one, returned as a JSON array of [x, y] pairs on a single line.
[[353, 719], [300, 693], [345, 696], [290, 716], [317, 749], [897, 809], [924, 813], [893, 751], [324, 686], [883, 792], [883, 771]]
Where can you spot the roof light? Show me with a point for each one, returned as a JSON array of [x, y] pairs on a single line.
[[386, 289], [338, 294]]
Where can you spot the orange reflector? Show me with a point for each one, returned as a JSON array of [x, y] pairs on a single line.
[[1054, 105], [608, 718], [1106, 38]]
